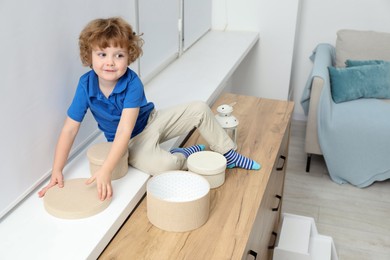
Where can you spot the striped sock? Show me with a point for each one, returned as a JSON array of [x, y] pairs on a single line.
[[237, 160], [187, 151]]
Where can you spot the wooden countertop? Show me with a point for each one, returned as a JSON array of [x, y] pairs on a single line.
[[233, 206]]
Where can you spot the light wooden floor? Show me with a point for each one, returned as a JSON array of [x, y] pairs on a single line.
[[357, 219]]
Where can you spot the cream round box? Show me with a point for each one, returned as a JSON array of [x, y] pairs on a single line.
[[97, 153], [210, 165], [178, 201]]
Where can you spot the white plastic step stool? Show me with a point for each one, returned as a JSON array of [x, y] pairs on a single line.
[[299, 240]]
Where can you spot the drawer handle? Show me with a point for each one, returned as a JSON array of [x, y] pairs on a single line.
[[280, 200], [273, 245], [284, 161], [252, 253]]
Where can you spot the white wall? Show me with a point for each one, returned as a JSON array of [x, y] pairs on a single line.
[[268, 69], [320, 20]]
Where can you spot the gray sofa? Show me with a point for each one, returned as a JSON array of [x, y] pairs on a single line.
[[346, 132]]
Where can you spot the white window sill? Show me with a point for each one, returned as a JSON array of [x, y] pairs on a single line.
[[199, 74]]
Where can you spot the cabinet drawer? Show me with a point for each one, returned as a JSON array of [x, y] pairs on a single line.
[[280, 170]]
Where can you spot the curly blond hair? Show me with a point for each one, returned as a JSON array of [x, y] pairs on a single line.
[[103, 33]]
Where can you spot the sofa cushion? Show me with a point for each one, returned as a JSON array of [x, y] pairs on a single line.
[[368, 81], [361, 45]]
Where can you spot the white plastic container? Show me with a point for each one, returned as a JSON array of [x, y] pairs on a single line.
[[98, 153], [210, 165], [178, 201]]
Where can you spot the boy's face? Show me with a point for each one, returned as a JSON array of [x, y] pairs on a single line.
[[110, 63]]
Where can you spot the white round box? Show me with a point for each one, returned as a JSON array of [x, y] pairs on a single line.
[[98, 153], [210, 165], [178, 201]]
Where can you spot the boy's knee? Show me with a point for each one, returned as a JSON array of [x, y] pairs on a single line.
[[199, 106], [162, 165]]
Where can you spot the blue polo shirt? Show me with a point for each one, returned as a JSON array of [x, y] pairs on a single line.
[[128, 93]]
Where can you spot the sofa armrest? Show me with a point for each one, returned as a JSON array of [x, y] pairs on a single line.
[[311, 141], [323, 57]]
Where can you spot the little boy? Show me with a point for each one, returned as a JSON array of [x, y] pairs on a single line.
[[116, 98]]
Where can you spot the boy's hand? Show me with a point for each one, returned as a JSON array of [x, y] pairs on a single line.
[[103, 184], [56, 178]]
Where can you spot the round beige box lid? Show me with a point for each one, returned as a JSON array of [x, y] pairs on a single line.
[[206, 163], [75, 200], [97, 153]]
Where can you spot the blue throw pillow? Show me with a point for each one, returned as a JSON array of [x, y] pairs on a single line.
[[368, 81], [353, 63]]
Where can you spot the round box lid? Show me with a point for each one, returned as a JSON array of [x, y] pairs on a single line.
[[97, 153], [75, 200], [206, 163]]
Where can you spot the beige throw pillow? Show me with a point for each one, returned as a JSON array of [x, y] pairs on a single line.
[[361, 45]]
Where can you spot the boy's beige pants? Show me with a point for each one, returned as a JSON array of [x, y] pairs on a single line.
[[144, 149]]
